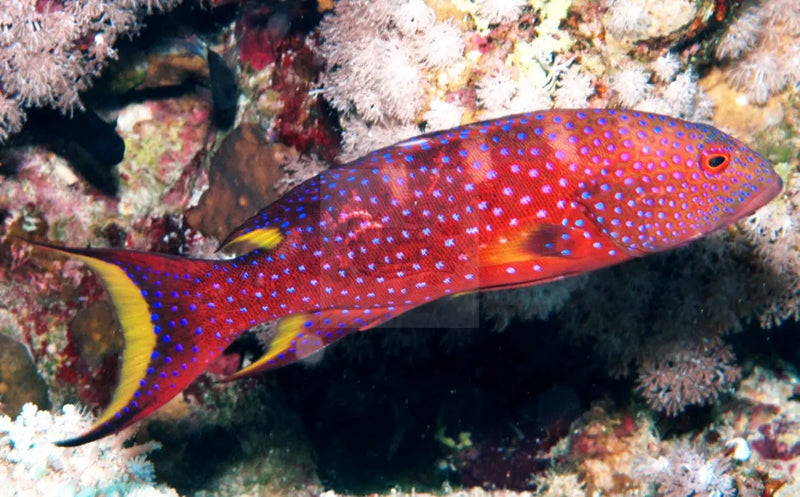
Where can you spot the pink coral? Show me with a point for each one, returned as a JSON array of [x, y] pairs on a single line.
[[687, 373], [50, 50]]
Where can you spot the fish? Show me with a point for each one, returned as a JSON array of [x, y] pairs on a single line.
[[506, 203], [90, 143]]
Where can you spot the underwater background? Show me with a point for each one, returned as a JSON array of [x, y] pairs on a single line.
[[162, 125]]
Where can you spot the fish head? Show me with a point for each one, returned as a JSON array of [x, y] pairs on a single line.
[[671, 182], [739, 178]]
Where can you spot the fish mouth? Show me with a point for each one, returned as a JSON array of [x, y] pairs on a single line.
[[768, 193]]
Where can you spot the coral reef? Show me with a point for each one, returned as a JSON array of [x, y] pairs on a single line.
[[19, 382], [165, 142], [30, 465], [51, 50], [762, 48], [683, 471], [651, 353]]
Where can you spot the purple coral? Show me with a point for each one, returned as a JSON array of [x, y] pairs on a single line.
[[687, 373]]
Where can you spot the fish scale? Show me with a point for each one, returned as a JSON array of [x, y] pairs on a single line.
[[505, 203]]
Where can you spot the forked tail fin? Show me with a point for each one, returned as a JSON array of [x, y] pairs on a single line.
[[167, 314]]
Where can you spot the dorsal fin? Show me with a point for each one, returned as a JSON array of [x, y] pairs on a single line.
[[269, 227]]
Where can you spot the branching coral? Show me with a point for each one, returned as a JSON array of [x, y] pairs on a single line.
[[775, 232], [670, 331], [685, 472], [377, 57], [763, 48], [691, 372], [50, 50], [500, 10], [30, 465]]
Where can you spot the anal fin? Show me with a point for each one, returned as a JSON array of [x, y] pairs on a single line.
[[300, 335]]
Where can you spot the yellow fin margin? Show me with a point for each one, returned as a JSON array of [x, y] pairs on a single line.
[[288, 330], [266, 238], [140, 339]]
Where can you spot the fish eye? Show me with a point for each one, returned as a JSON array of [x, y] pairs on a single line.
[[714, 161]]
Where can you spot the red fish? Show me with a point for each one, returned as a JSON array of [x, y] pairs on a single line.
[[505, 203]]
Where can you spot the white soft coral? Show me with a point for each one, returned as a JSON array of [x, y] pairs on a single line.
[[626, 18], [383, 63], [684, 471], [573, 89], [496, 90], [30, 465], [763, 48], [413, 16], [497, 11], [378, 57], [632, 85], [442, 46]]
